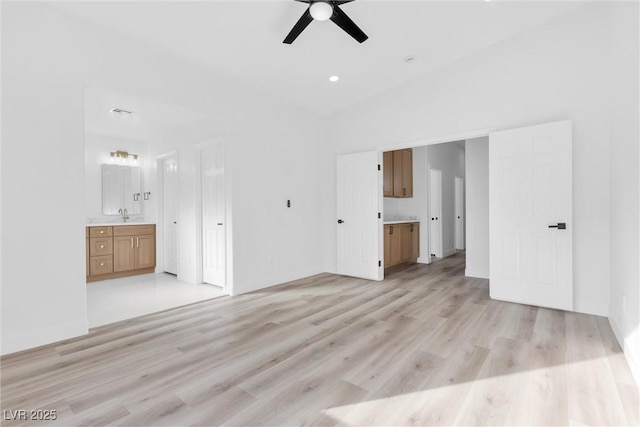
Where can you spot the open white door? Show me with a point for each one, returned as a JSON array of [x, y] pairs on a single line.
[[435, 204], [170, 214], [530, 220], [359, 226], [213, 216], [459, 213]]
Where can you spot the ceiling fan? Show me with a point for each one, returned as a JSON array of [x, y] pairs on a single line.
[[321, 10]]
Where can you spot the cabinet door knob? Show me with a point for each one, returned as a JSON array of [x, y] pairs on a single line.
[[101, 231], [101, 246], [102, 264]]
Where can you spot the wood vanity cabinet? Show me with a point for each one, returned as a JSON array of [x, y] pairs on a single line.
[[398, 173], [134, 247], [120, 251], [401, 243]]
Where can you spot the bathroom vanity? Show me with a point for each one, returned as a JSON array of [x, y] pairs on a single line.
[[120, 250]]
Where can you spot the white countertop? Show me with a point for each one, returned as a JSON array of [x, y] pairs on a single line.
[[113, 224], [401, 221]]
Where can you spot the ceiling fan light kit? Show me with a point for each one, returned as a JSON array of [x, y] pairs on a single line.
[[321, 11]]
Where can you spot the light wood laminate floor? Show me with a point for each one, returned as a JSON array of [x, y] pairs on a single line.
[[425, 347]]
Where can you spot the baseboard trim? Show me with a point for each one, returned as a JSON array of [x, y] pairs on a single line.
[[43, 336], [632, 358], [448, 253], [617, 331], [476, 274]]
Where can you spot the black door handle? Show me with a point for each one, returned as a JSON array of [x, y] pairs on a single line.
[[340, 221], [559, 226]]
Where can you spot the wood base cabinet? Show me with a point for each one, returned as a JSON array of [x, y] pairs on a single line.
[[401, 243], [121, 251]]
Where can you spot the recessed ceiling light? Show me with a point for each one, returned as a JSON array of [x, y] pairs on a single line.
[[334, 79]]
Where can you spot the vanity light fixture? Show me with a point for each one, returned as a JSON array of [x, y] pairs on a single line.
[[123, 157]]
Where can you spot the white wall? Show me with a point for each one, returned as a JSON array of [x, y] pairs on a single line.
[[556, 71], [449, 159], [48, 58], [624, 202], [477, 207], [97, 152]]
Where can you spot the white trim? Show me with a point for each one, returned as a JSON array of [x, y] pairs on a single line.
[[44, 336], [475, 274], [478, 133], [632, 359], [448, 252], [617, 331]]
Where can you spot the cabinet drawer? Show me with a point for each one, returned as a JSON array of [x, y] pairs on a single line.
[[100, 231], [100, 246], [101, 265], [134, 230]]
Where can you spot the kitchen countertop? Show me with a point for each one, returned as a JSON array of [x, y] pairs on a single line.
[[114, 224], [401, 221]]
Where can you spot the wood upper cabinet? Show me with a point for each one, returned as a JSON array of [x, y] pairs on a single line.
[[401, 243], [398, 173], [387, 158]]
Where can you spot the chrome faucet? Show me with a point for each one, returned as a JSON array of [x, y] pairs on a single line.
[[124, 213]]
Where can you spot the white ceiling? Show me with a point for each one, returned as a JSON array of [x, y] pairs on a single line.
[[149, 119], [243, 40]]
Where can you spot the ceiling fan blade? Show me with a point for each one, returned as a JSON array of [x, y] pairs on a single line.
[[302, 23], [343, 21]]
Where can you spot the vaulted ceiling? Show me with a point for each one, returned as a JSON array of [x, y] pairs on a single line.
[[243, 40]]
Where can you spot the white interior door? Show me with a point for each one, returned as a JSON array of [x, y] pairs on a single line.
[[459, 213], [435, 203], [170, 214], [213, 215], [530, 203], [359, 226]]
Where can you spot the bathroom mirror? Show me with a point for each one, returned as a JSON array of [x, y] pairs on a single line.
[[121, 189]]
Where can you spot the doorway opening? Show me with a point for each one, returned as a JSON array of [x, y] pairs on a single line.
[[435, 203], [133, 197]]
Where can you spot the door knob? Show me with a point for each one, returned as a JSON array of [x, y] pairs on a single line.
[[559, 226], [340, 221]]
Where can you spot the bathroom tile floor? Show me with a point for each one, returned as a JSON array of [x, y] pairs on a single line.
[[113, 300]]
